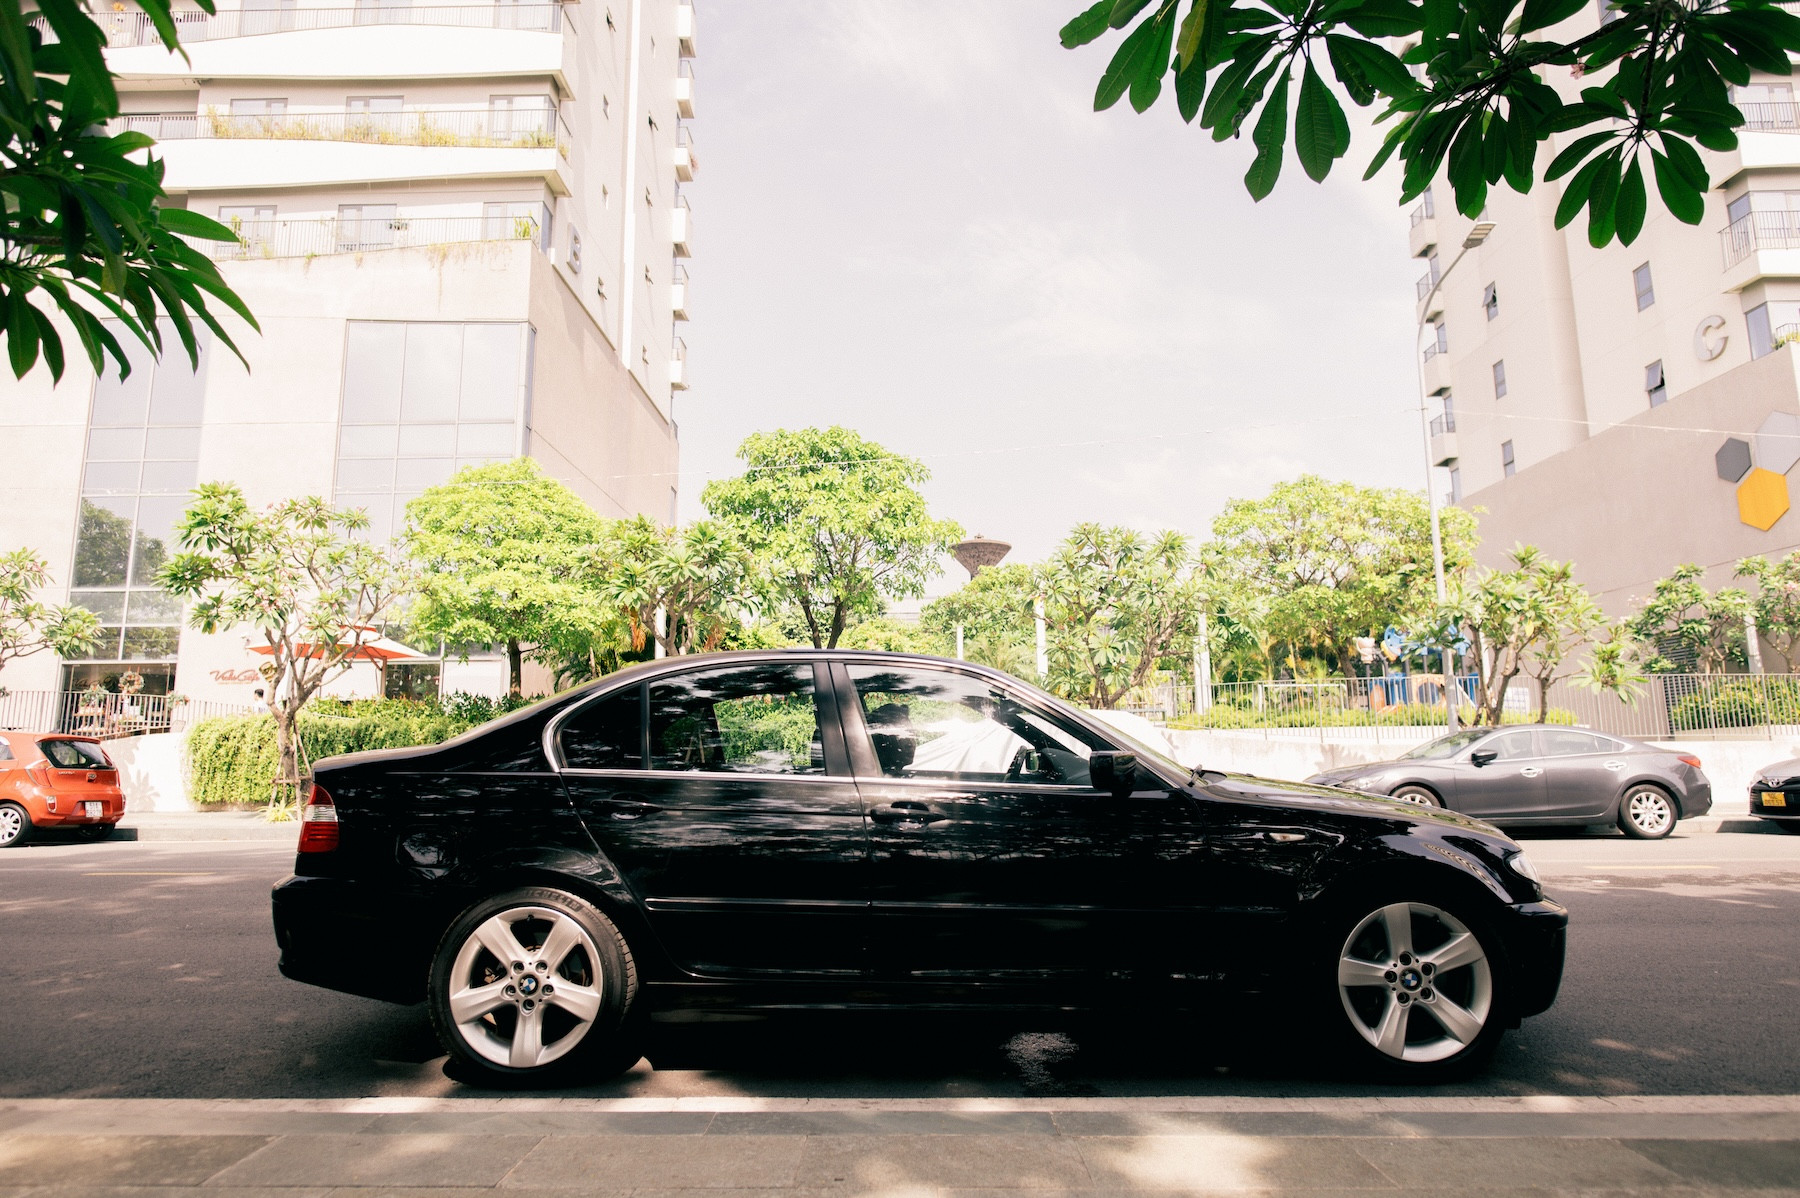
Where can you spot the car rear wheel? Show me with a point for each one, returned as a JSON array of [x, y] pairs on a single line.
[[1416, 794], [533, 987], [1647, 813], [15, 824], [1418, 988]]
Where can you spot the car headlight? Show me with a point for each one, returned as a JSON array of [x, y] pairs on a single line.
[[1520, 864]]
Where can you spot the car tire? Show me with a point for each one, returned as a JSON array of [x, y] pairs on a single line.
[[1647, 812], [15, 825], [1791, 826], [534, 987], [1418, 795], [1417, 988]]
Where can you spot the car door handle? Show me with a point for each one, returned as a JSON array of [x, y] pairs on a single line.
[[1530, 771], [906, 814]]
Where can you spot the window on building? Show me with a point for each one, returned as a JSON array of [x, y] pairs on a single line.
[[523, 220], [373, 12], [1655, 385], [1439, 341], [1762, 336], [261, 16], [1456, 484], [574, 250], [1429, 205], [1508, 461], [142, 459], [1766, 105], [258, 106], [1490, 301], [528, 119], [376, 114], [1640, 281], [421, 401], [1608, 13], [1500, 379], [1432, 262], [365, 227]]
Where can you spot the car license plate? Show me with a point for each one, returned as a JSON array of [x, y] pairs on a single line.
[[91, 810], [1774, 800]]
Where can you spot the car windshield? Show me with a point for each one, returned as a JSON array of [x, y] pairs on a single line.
[[1445, 746]]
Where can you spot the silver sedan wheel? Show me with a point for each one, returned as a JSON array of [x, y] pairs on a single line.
[[1650, 811], [1415, 982], [525, 988], [12, 824]]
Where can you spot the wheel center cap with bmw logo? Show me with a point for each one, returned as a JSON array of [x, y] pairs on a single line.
[[528, 986], [1411, 979]]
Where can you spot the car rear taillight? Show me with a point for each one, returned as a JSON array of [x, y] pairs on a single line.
[[1689, 759], [318, 821]]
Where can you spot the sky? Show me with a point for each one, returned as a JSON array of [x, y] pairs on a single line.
[[909, 220]]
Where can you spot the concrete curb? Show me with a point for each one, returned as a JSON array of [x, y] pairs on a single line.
[[177, 826]]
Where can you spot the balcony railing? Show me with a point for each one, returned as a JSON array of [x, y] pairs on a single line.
[[1426, 282], [685, 161], [516, 129], [308, 236], [107, 713], [1777, 116], [1434, 349], [681, 227], [125, 29], [1423, 212], [1771, 230], [678, 291], [678, 380], [1443, 424], [684, 88]]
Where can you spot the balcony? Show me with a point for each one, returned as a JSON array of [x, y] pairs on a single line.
[[678, 367], [1760, 245], [1443, 440], [1435, 369], [681, 227], [684, 90], [684, 29], [128, 29], [1779, 116], [678, 292], [308, 237], [685, 162], [1424, 232], [483, 127]]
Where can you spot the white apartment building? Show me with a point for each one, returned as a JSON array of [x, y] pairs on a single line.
[[1628, 408], [463, 232]]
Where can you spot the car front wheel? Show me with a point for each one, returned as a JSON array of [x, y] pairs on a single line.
[[1417, 795], [1647, 813], [534, 987], [1418, 990]]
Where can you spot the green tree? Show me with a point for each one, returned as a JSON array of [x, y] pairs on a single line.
[[997, 614], [837, 524], [1530, 619], [1470, 94], [1333, 561], [1568, 618], [1116, 602], [697, 581], [889, 635], [1683, 618], [27, 624], [501, 552], [1777, 604], [299, 576], [86, 230]]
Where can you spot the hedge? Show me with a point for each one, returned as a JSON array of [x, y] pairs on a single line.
[[1231, 716], [232, 759]]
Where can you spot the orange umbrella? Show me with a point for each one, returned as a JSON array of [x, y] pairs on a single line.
[[379, 649]]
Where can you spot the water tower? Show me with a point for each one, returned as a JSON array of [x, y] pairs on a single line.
[[978, 553]]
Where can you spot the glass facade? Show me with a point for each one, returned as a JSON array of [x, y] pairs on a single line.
[[143, 450], [421, 401]]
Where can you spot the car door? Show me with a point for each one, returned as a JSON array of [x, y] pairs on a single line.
[[1501, 777], [724, 796], [993, 858], [1581, 773]]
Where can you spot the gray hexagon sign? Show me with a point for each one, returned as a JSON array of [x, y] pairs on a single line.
[[1778, 442], [1733, 459]]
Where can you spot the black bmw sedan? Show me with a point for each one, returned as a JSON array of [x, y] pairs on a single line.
[[839, 829]]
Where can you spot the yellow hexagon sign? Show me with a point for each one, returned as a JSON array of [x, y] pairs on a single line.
[[1762, 499]]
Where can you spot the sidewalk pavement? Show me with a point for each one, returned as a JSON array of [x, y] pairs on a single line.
[[1543, 1147]]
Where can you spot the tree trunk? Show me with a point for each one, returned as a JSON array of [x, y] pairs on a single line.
[[839, 617], [514, 669], [1543, 697], [287, 757]]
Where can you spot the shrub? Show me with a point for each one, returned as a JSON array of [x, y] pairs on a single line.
[[1739, 704]]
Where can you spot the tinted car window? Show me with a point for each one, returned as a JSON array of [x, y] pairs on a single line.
[[1563, 742], [1444, 746], [936, 724], [75, 755], [606, 734], [759, 719], [1510, 746], [6, 753]]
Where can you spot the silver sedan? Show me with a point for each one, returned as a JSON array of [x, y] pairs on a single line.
[[1541, 775]]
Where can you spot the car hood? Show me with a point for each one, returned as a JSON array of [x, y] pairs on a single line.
[[1341, 773], [1781, 769], [1308, 797]]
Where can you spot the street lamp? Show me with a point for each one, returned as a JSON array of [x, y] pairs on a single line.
[[1477, 235]]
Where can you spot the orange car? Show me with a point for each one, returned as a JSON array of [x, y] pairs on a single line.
[[52, 780]]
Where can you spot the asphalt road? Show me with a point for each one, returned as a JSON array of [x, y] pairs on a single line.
[[148, 970]]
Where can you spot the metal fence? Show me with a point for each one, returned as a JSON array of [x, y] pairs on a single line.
[[107, 713], [489, 128], [306, 237], [135, 29], [1410, 707]]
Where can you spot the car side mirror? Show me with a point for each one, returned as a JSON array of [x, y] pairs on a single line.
[[1114, 771], [1481, 757]]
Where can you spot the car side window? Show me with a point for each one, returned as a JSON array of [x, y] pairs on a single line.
[[1510, 746], [1566, 742], [936, 724], [606, 734], [6, 753], [754, 719]]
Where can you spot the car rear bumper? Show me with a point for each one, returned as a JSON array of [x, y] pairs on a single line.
[[1696, 799], [71, 813], [344, 936], [1537, 940]]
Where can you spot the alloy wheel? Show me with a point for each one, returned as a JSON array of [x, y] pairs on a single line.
[[1415, 982], [1649, 811], [525, 987], [1416, 795]]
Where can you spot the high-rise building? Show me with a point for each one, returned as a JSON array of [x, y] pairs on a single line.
[[462, 229], [1633, 407]]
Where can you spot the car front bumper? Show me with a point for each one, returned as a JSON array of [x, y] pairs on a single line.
[[1786, 806], [1537, 939], [346, 936]]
